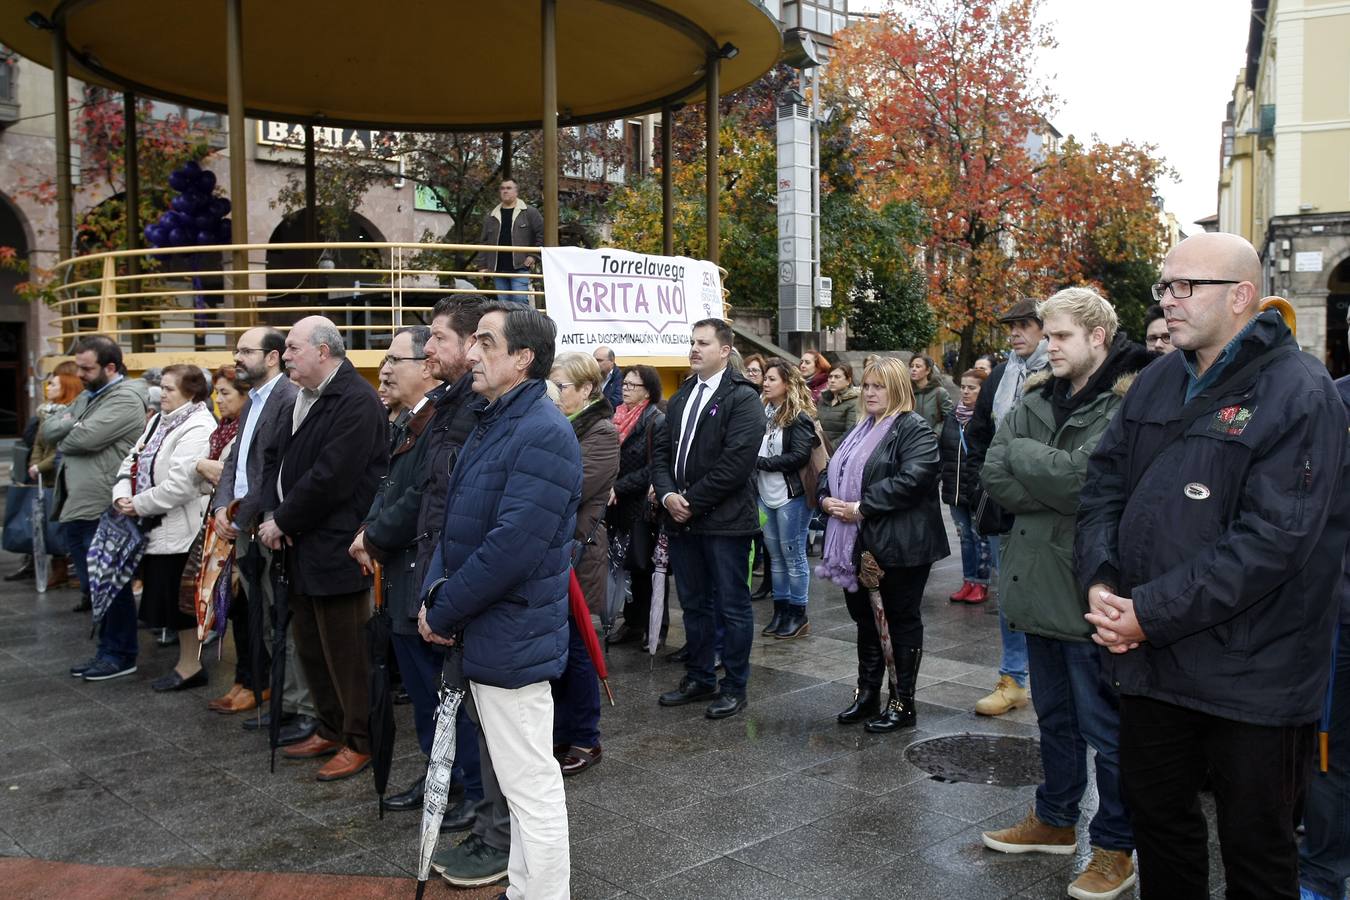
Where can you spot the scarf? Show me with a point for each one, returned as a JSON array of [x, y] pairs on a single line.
[[1015, 373], [626, 418], [221, 437], [845, 482], [145, 458], [963, 414]]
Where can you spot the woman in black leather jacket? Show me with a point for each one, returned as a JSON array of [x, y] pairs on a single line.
[[881, 493], [789, 435]]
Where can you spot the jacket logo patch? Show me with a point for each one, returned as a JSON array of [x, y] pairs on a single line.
[[1231, 420], [1196, 491]]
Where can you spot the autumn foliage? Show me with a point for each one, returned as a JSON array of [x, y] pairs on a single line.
[[950, 118]]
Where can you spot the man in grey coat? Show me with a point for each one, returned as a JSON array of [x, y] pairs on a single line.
[[249, 477], [512, 223], [93, 436]]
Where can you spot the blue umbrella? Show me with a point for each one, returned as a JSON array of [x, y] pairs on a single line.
[[117, 548]]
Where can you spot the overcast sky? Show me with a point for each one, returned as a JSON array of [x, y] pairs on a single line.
[[1153, 71]]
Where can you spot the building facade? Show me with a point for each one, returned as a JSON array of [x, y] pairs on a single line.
[[1284, 181]]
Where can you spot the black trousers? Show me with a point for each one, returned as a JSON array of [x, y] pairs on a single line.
[[901, 596], [1260, 779]]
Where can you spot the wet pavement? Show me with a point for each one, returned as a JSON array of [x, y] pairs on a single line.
[[778, 802]]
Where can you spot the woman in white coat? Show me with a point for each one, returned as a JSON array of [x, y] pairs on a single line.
[[157, 482]]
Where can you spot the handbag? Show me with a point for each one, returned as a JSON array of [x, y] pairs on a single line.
[[990, 518], [820, 458]]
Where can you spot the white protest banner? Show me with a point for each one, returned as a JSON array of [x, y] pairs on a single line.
[[637, 305]]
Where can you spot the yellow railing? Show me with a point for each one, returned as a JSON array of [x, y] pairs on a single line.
[[151, 296]]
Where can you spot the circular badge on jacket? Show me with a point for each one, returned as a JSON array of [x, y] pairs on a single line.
[[1196, 491]]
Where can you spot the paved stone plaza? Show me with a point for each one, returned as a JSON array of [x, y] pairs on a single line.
[[778, 802]]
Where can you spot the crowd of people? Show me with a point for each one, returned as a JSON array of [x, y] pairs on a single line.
[[1164, 532]]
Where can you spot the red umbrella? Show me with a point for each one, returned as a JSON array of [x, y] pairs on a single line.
[[582, 614]]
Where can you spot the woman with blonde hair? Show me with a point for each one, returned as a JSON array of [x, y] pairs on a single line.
[[576, 695], [789, 435], [881, 494]]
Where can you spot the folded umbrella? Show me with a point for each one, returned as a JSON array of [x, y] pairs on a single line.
[[281, 620], [41, 561], [117, 548], [436, 796], [1324, 727], [869, 576], [657, 614], [214, 566], [378, 630], [581, 613]]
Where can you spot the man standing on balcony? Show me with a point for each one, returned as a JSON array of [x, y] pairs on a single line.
[[329, 470], [512, 223]]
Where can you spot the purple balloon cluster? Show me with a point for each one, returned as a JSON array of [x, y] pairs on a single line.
[[195, 216]]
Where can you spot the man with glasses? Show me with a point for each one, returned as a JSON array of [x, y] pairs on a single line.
[[1212, 575], [612, 386], [264, 425], [1157, 339]]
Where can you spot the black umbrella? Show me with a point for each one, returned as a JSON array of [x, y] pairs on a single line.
[[378, 631], [281, 620], [251, 567]]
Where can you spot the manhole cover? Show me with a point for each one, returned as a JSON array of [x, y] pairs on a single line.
[[979, 759]]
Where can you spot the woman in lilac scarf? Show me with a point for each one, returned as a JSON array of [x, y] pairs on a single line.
[[881, 494]]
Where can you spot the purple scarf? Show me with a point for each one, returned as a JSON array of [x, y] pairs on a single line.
[[845, 475]]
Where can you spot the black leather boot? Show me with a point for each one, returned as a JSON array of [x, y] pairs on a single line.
[[899, 712], [779, 611], [766, 586], [866, 705], [867, 697], [794, 623], [26, 570]]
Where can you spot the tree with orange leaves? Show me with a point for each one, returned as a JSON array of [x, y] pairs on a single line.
[[951, 119]]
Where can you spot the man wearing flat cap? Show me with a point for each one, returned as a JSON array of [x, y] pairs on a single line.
[[1000, 393]]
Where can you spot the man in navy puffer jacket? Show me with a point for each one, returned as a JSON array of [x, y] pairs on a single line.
[[498, 580]]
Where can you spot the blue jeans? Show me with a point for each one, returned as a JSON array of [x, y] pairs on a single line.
[[1075, 708], [512, 283], [1324, 860], [710, 577], [1014, 660], [974, 547], [420, 665], [576, 695], [785, 539], [79, 535]]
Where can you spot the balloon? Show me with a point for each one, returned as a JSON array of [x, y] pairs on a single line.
[[219, 207], [152, 234], [178, 181], [206, 237], [202, 221], [165, 220], [176, 219], [225, 231], [191, 168], [206, 181], [177, 237], [180, 203]]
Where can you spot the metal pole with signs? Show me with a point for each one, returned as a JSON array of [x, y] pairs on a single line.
[[794, 217]]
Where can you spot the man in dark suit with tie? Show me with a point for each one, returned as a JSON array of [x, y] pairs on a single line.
[[264, 425], [701, 469]]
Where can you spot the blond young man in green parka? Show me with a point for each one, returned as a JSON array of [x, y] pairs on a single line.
[[1035, 470]]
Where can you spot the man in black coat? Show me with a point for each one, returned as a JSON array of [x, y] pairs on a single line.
[[1203, 537], [701, 470], [250, 476], [329, 470]]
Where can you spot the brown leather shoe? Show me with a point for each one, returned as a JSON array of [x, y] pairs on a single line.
[[243, 702], [222, 703], [578, 759], [311, 747], [346, 764]]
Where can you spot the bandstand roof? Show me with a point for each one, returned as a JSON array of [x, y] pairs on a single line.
[[417, 65]]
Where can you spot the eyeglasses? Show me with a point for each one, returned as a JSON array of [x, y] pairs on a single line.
[[1164, 338], [1182, 288], [629, 384], [392, 360], [563, 384]]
